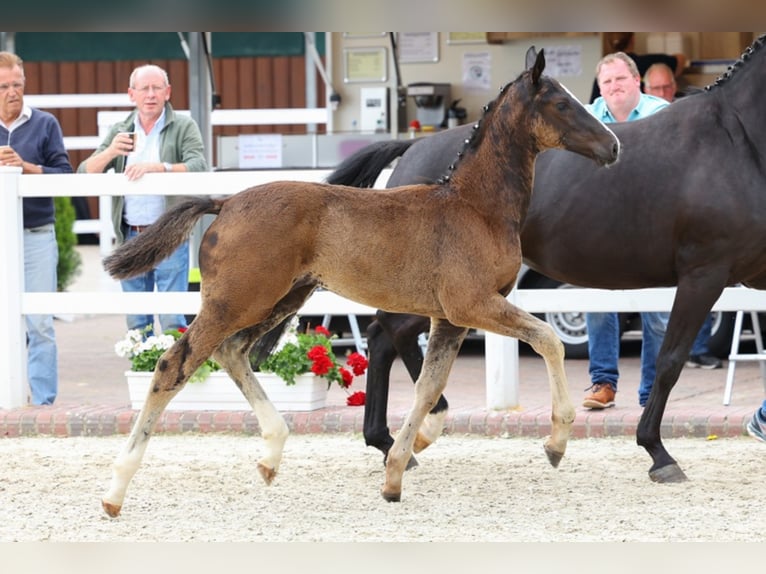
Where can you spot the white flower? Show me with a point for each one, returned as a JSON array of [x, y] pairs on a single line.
[[128, 347], [290, 334], [163, 342]]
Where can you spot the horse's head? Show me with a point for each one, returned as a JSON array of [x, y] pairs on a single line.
[[561, 121]]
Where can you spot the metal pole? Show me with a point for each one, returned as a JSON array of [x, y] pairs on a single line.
[[200, 106], [200, 93], [7, 42]]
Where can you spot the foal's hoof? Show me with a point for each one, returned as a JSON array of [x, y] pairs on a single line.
[[267, 473], [421, 443], [112, 510], [391, 496], [669, 473], [554, 457]]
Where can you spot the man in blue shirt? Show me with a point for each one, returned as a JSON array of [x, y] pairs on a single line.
[[31, 139], [621, 100]]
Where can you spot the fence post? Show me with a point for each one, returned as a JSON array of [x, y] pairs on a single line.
[[13, 366], [501, 364]]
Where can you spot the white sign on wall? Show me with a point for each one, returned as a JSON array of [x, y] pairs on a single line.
[[260, 151], [477, 68], [563, 61]]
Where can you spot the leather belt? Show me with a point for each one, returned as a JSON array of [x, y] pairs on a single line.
[[137, 228]]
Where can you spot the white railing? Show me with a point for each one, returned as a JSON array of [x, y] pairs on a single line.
[[247, 117], [501, 352]]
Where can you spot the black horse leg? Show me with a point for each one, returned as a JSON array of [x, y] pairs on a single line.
[[381, 354], [694, 298], [403, 330]]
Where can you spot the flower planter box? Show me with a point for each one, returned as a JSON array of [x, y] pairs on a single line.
[[219, 393]]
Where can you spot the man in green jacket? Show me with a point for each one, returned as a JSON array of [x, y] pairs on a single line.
[[153, 138]]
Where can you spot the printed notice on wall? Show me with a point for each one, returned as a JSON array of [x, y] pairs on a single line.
[[562, 61], [260, 151], [476, 70]]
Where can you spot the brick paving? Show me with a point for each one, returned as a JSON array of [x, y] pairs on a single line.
[[93, 397]]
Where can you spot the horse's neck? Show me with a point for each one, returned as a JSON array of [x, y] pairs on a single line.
[[741, 95], [497, 176]]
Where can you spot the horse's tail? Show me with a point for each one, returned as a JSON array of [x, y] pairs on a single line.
[[363, 167], [160, 239]]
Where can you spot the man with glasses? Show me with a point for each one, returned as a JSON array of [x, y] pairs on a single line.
[[153, 138], [32, 140], [659, 81]]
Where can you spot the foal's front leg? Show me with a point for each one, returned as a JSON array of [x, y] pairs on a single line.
[[443, 346], [496, 314]]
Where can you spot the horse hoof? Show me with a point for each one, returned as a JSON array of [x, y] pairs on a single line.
[[391, 496], [267, 473], [669, 473], [420, 443], [554, 457], [112, 510]]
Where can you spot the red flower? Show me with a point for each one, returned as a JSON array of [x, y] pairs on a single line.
[[321, 365], [321, 330], [347, 378], [356, 399], [357, 363], [316, 352], [182, 329]]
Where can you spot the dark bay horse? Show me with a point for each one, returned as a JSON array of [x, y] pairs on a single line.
[[685, 206], [270, 246]]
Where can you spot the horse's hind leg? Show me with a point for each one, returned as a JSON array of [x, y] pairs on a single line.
[[173, 370], [233, 355], [443, 346], [403, 330]]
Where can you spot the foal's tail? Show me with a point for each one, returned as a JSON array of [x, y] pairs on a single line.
[[363, 168], [160, 239]]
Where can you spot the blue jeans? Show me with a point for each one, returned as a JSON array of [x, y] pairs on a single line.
[[172, 274], [700, 346], [41, 256], [604, 348]]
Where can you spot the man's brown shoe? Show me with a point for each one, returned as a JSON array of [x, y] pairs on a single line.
[[601, 397]]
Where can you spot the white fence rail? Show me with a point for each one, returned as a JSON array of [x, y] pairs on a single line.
[[246, 117], [501, 352]]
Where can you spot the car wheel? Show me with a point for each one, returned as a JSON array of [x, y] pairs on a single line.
[[569, 327]]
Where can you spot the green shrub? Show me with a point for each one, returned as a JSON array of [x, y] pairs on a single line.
[[70, 262]]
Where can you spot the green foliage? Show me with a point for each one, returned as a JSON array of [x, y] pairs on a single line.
[[293, 359], [70, 262]]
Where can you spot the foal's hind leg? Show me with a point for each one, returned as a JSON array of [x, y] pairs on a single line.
[[173, 370], [233, 355], [403, 330], [443, 346]]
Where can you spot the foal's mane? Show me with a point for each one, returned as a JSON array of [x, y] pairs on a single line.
[[757, 44], [479, 128]]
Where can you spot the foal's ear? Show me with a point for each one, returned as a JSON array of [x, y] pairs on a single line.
[[529, 59], [539, 66]]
